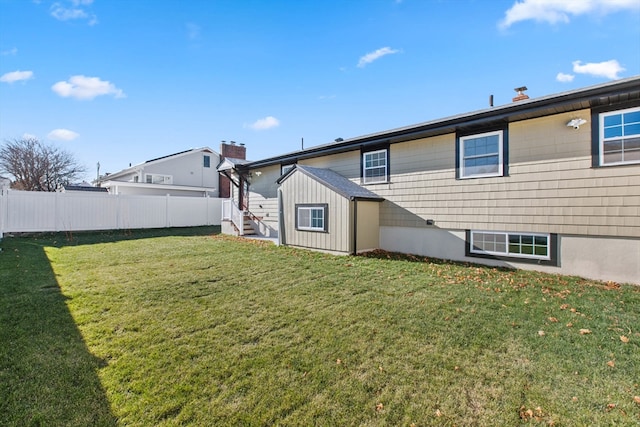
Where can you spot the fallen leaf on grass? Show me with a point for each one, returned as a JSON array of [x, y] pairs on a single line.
[[379, 407], [611, 286], [438, 413], [584, 331], [553, 319], [338, 361], [611, 363], [569, 325], [610, 406], [636, 399], [624, 339], [541, 333]]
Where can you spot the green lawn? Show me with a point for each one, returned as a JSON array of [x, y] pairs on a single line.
[[188, 327]]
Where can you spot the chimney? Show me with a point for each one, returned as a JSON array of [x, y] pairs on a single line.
[[521, 95], [234, 151]]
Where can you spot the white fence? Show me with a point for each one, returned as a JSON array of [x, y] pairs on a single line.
[[30, 211]]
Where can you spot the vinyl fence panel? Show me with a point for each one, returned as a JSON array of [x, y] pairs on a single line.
[[28, 211]]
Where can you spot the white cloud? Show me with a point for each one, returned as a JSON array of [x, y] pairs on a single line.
[[555, 11], [82, 87], [16, 76], [564, 78], [12, 51], [266, 123], [608, 69], [63, 13], [62, 135], [372, 56]]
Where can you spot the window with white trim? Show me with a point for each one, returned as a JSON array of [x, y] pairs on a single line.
[[374, 166], [311, 217], [620, 137], [154, 178], [481, 155], [207, 161], [519, 245]]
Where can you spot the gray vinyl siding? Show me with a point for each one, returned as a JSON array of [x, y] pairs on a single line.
[[301, 189], [551, 186], [346, 164]]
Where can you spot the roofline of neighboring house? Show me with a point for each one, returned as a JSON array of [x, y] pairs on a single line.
[[156, 160], [109, 184], [593, 96]]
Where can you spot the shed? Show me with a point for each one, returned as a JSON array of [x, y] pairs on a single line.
[[320, 209]]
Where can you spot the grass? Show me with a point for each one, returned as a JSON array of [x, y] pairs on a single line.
[[156, 328]]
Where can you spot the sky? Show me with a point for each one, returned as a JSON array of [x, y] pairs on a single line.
[[119, 82]]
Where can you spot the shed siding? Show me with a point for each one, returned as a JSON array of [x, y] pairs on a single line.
[[368, 225], [301, 189]]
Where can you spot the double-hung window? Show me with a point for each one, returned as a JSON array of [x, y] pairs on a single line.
[[375, 167], [481, 155], [311, 217], [619, 137]]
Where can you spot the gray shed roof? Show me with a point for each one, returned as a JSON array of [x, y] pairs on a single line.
[[335, 182]]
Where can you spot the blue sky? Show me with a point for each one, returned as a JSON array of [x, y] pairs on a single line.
[[119, 82]]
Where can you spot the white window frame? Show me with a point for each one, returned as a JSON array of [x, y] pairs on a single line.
[[500, 172], [164, 179], [507, 252], [309, 226], [375, 179], [623, 138], [206, 161]]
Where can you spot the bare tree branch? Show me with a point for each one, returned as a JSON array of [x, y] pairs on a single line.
[[37, 167]]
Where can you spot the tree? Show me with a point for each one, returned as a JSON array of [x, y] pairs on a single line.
[[37, 167]]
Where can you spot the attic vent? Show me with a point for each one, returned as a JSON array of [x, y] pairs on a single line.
[[521, 95]]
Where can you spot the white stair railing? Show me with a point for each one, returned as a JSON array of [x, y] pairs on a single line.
[[231, 212]]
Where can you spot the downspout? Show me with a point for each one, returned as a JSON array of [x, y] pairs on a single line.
[[281, 236], [355, 227]]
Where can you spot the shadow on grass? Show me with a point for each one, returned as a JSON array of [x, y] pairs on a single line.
[[76, 238], [47, 374]]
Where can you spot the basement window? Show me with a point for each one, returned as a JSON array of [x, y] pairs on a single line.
[[527, 246], [312, 217]]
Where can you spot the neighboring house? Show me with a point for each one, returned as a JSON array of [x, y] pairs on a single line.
[[551, 183], [187, 173], [83, 186], [5, 184]]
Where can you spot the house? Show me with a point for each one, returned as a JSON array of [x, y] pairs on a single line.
[[83, 186], [5, 184], [187, 173], [549, 183]]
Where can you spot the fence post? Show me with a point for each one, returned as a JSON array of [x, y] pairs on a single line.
[[4, 195], [167, 221]]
